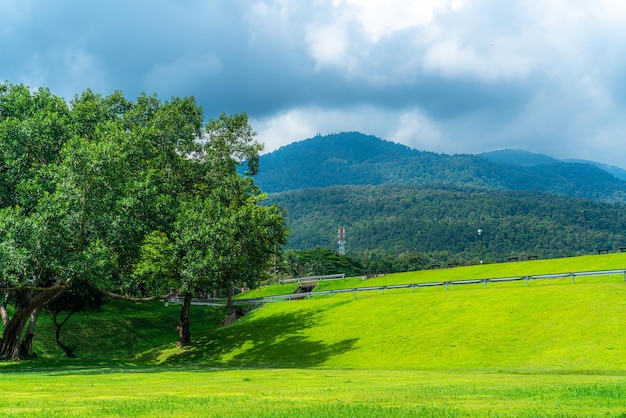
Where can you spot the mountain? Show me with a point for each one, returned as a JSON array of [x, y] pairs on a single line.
[[518, 157], [531, 159], [611, 169], [352, 158], [346, 158]]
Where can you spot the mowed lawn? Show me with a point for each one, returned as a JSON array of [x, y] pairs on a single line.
[[200, 392], [558, 327], [550, 349]]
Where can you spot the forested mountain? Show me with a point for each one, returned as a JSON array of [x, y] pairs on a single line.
[[530, 159], [443, 222], [402, 203], [518, 157], [356, 159]]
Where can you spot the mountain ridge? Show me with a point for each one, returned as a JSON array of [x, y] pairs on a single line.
[[353, 158]]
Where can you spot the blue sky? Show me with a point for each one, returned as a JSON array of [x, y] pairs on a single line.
[[450, 76]]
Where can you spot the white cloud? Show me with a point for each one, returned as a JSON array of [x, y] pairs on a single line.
[[410, 128], [383, 17], [450, 59], [328, 45]]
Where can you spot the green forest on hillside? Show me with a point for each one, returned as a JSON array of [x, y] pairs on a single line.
[[442, 223], [352, 158]]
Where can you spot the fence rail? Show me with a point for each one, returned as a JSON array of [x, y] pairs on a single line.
[[311, 279], [412, 286]]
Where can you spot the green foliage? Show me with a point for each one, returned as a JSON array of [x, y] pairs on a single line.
[[390, 227], [114, 193], [318, 262]]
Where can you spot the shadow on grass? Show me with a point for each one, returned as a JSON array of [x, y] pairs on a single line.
[[273, 341]]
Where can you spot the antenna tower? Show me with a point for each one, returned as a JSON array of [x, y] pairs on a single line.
[[342, 241]]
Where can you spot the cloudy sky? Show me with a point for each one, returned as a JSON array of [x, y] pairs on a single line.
[[450, 76]]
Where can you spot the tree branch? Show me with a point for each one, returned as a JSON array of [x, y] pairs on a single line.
[[133, 299]]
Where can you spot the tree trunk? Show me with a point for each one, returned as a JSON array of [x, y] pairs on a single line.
[[26, 347], [10, 343], [69, 351], [184, 334], [3, 310], [230, 308], [10, 349]]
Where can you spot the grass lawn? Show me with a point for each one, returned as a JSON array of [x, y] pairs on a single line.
[[550, 349], [175, 391]]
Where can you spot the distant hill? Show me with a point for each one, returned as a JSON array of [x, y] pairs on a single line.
[[352, 158], [615, 171], [346, 158], [531, 159], [443, 222], [518, 157]]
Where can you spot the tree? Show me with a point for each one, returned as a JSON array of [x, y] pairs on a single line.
[[79, 297], [221, 236], [86, 184], [320, 261]]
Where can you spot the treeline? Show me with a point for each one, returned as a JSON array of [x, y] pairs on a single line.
[[443, 223], [322, 261]]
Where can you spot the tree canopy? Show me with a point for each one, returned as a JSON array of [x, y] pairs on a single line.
[[123, 195]]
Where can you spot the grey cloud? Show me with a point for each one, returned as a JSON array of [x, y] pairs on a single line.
[[492, 74]]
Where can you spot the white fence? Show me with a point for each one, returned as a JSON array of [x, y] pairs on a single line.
[[413, 286], [312, 279]]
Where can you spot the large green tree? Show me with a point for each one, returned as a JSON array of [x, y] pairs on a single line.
[[85, 184], [221, 237]]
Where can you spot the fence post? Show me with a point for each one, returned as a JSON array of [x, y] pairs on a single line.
[[573, 276], [355, 292], [382, 290], [446, 285], [484, 283], [331, 293], [413, 284], [526, 281]]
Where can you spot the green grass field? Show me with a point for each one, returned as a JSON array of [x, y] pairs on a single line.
[[550, 349], [200, 392]]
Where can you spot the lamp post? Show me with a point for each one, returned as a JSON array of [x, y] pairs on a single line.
[[421, 248], [480, 238]]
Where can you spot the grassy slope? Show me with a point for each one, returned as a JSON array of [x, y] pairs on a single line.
[[121, 330], [523, 268], [551, 325], [566, 340]]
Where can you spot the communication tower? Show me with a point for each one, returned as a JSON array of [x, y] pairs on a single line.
[[342, 241]]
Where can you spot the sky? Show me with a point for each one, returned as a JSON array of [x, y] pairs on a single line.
[[448, 76]]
